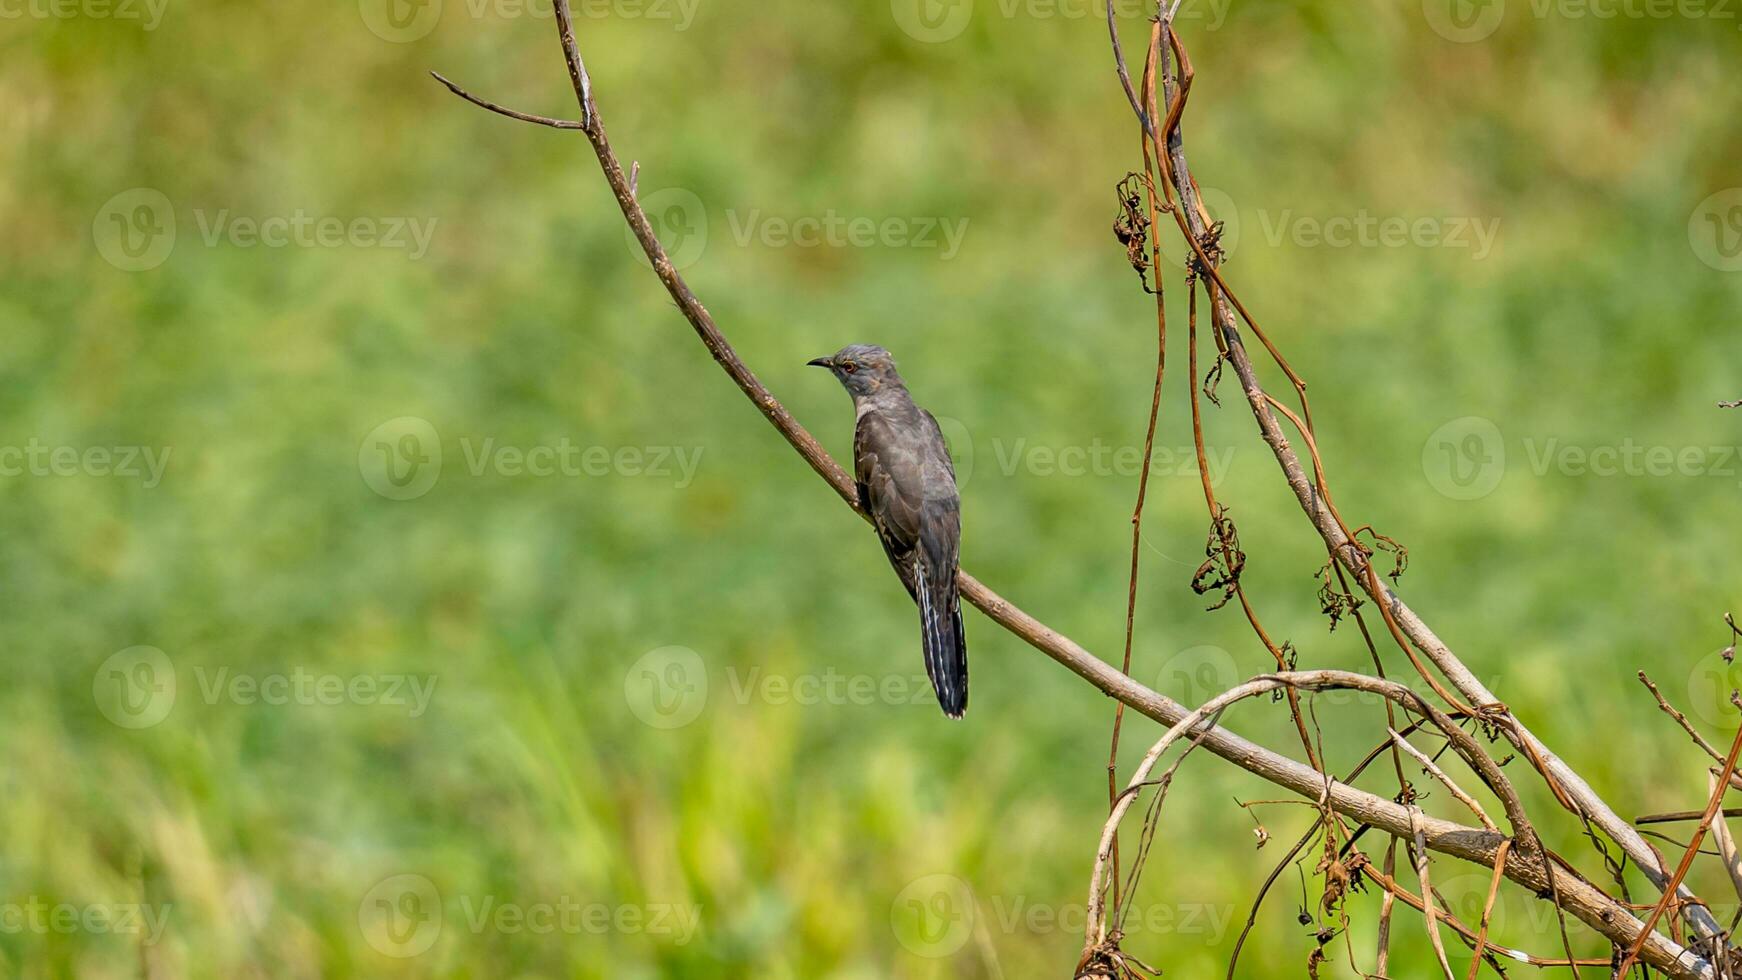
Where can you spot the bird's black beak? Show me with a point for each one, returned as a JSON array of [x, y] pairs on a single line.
[[827, 362]]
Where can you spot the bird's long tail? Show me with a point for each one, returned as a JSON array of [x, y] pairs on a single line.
[[946, 648]]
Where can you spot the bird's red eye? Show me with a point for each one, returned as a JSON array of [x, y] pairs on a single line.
[[849, 367]]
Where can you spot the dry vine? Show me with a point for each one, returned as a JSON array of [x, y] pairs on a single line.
[[1346, 813]]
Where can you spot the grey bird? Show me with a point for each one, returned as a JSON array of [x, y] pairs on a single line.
[[908, 486]]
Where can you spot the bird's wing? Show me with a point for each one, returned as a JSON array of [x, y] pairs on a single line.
[[908, 486], [890, 489]]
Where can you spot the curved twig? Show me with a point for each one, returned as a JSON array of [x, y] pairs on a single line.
[[1531, 868]]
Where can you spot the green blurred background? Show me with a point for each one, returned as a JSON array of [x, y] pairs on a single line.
[[678, 725]]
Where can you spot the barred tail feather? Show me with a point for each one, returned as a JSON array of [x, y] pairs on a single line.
[[946, 648]]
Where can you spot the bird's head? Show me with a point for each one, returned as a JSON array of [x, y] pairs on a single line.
[[863, 369]]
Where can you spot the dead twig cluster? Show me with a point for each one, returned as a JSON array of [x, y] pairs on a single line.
[[1696, 946]]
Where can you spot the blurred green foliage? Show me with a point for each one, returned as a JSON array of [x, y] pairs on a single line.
[[803, 820]]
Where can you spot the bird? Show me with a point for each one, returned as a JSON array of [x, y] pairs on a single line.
[[907, 486]]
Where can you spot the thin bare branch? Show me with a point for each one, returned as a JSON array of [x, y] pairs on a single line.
[[1422, 862], [1682, 816], [1488, 910], [1726, 844], [502, 109], [1445, 780]]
